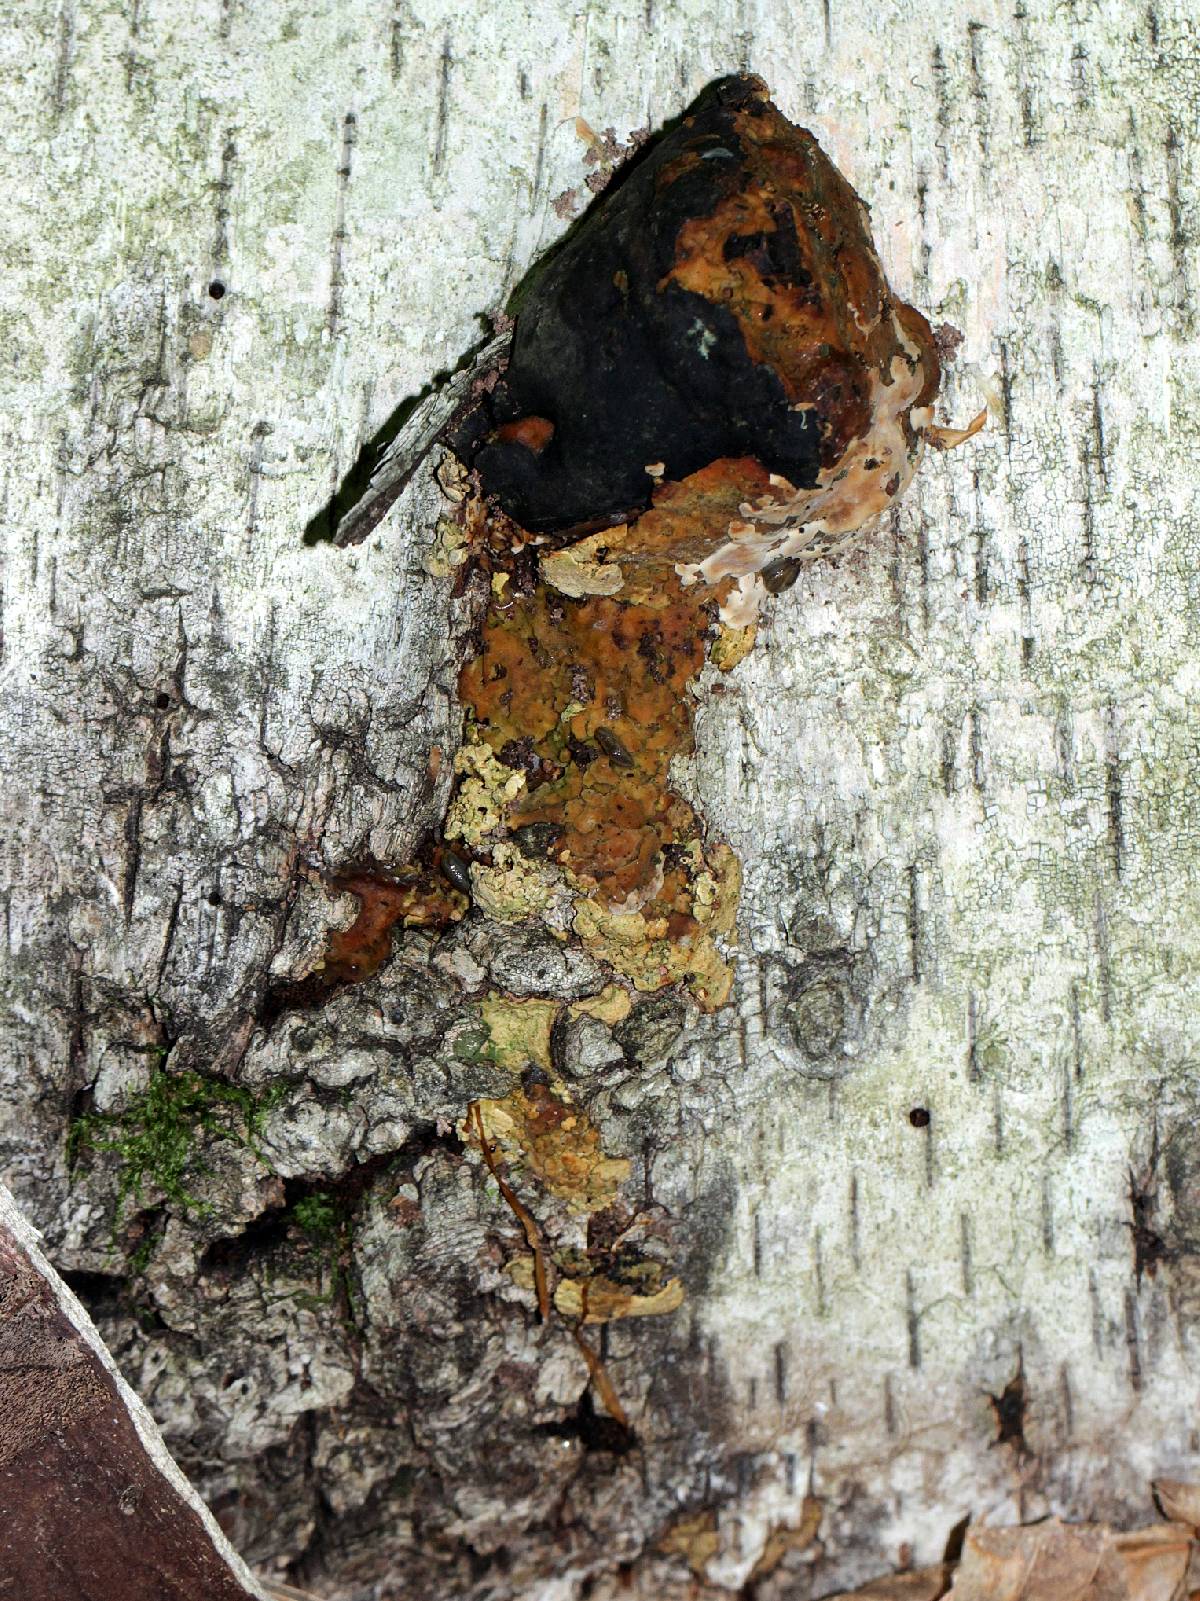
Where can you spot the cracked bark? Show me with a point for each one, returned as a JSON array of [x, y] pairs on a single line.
[[958, 769]]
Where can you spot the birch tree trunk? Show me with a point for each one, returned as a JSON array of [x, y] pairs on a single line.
[[930, 1180]]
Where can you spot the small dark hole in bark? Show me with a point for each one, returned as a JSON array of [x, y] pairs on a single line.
[[162, 700], [215, 898], [595, 1431], [216, 290], [1009, 1407], [919, 1117]]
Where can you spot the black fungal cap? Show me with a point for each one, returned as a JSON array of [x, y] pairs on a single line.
[[629, 369]]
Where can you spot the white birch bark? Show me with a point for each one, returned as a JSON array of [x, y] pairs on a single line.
[[960, 769]]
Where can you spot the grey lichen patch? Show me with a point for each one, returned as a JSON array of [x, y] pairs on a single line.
[[530, 960], [308, 1134], [583, 1050], [650, 1032]]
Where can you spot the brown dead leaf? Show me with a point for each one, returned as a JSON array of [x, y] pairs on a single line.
[[1156, 1561], [1045, 1562], [1053, 1561], [1178, 1501]]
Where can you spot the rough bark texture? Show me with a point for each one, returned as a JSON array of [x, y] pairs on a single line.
[[929, 1182]]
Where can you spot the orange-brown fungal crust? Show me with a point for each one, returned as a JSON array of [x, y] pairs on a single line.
[[590, 701], [413, 897], [789, 254], [588, 698], [558, 1146], [582, 704], [534, 433], [645, 556]]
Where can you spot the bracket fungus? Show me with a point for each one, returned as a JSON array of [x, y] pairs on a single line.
[[717, 334], [709, 383]]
